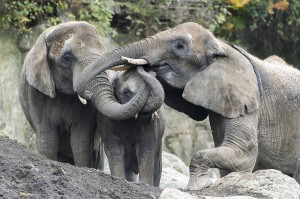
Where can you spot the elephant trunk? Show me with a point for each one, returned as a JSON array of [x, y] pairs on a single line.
[[102, 96], [111, 59], [157, 96]]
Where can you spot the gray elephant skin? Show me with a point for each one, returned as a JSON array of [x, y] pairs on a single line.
[[253, 104], [65, 127], [133, 146]]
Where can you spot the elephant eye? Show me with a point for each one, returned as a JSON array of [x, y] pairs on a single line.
[[179, 48], [67, 59], [127, 93]]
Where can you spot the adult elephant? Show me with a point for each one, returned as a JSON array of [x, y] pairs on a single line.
[[253, 105], [65, 127], [133, 146]]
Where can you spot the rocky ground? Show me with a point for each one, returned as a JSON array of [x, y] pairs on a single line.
[[28, 175]]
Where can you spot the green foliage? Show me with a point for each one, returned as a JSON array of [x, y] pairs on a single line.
[[21, 15], [264, 26], [99, 13], [140, 18]]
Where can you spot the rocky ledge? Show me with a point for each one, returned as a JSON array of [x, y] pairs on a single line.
[[28, 175]]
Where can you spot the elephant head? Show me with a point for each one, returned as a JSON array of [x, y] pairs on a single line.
[[57, 61], [59, 54], [209, 72], [133, 90], [127, 84]]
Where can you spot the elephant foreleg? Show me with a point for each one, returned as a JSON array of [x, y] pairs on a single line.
[[146, 155], [81, 144], [238, 152], [297, 172], [131, 169], [47, 142], [114, 150], [157, 168]]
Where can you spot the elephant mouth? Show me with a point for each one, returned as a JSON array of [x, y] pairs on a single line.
[[166, 66]]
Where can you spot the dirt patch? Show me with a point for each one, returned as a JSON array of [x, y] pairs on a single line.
[[28, 175]]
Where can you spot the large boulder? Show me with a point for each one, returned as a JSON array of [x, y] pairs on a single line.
[[12, 119], [184, 137], [242, 185], [28, 175]]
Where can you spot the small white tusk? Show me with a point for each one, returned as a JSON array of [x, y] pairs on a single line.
[[82, 100], [136, 116], [155, 115], [134, 61], [122, 67]]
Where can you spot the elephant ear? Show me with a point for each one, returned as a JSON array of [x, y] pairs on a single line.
[[227, 86], [36, 66]]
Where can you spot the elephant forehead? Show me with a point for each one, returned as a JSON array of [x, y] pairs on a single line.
[[66, 39]]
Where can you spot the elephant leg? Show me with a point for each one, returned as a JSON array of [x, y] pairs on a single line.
[[81, 144], [114, 150], [146, 155], [297, 172], [238, 152], [131, 166], [47, 141], [157, 168]]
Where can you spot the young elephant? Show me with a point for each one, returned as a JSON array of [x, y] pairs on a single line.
[[65, 127], [134, 145]]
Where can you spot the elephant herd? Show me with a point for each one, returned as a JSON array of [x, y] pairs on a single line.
[[78, 106]]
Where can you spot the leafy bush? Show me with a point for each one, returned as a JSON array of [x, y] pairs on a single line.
[[264, 26], [23, 15]]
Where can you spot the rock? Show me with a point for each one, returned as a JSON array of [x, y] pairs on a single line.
[[183, 136], [260, 184], [28, 175], [12, 120], [175, 174], [171, 193]]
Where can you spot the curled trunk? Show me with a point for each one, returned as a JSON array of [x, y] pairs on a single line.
[[111, 59], [157, 95], [104, 100]]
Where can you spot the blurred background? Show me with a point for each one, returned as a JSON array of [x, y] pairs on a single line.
[[262, 27]]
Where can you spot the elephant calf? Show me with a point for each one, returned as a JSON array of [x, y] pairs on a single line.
[[65, 127], [134, 145]]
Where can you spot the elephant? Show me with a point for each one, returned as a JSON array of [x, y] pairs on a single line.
[[133, 146], [253, 105], [65, 127]]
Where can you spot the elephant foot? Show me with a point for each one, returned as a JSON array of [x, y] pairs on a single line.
[[199, 182]]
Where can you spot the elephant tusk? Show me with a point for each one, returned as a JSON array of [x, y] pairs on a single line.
[[82, 100], [134, 61], [122, 67], [155, 114]]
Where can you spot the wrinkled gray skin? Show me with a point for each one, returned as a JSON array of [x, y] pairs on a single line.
[[133, 146], [253, 105], [65, 127]]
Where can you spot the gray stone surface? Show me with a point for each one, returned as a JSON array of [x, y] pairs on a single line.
[[260, 184], [267, 184], [183, 136], [12, 119]]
